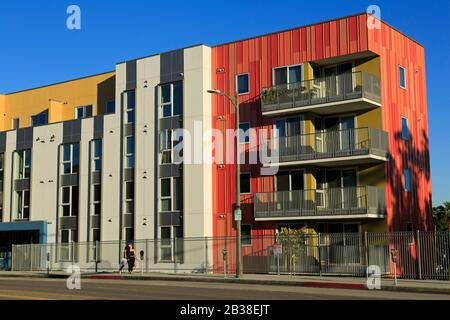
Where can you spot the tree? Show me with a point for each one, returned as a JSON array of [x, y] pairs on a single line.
[[441, 216]]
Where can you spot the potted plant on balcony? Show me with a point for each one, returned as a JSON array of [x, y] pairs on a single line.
[[269, 95]]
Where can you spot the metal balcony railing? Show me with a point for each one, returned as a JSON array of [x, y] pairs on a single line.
[[346, 86], [358, 200], [330, 144]]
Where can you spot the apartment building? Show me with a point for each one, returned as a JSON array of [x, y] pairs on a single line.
[[93, 159]]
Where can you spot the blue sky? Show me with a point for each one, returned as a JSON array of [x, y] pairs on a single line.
[[38, 49]]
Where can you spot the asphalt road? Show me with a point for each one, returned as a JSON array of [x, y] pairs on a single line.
[[56, 289]]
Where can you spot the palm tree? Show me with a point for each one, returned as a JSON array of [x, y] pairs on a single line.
[[441, 217]]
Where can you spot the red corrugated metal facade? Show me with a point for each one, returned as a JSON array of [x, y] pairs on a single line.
[[395, 49], [258, 56]]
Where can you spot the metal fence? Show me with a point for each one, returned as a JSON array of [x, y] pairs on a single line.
[[421, 255], [342, 87], [360, 200]]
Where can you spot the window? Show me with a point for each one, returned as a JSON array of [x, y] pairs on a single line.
[[23, 204], [171, 99], [111, 107], [407, 179], [129, 106], [289, 180], [69, 201], [244, 137], [166, 243], [246, 234], [96, 199], [178, 194], [96, 152], [317, 75], [242, 83], [70, 157], [68, 236], [95, 234], [83, 112], [39, 119], [171, 194], [23, 164], [245, 183], [405, 130], [129, 197], [129, 151], [402, 77], [2, 161], [166, 146], [166, 194], [287, 75], [16, 123], [129, 234]]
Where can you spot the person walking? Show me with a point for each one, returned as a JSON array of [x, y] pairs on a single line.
[[131, 258], [124, 260]]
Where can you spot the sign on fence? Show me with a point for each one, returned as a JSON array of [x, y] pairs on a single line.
[[277, 248]]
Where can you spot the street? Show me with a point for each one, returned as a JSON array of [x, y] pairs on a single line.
[[56, 289]]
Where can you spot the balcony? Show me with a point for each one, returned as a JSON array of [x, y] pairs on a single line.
[[333, 203], [331, 148], [346, 92]]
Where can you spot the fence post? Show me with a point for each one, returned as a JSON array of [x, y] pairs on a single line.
[[206, 255], [419, 262], [31, 257], [147, 254], [318, 255], [366, 251], [12, 258], [73, 249]]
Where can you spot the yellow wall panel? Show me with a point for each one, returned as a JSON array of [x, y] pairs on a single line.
[[59, 99]]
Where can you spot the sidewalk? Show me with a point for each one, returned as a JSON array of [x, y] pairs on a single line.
[[404, 285]]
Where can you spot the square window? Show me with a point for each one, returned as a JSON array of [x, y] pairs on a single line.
[[65, 194], [97, 148], [129, 234], [280, 76], [295, 74], [244, 137], [245, 183], [130, 161], [97, 192], [95, 234], [177, 98], [64, 236], [97, 209], [167, 110], [88, 111], [129, 208], [97, 165], [16, 123], [166, 204], [66, 152], [79, 113], [165, 233], [66, 210], [165, 187], [242, 85], [405, 130], [407, 179], [130, 100], [402, 76], [130, 116], [129, 190], [110, 107], [130, 144], [246, 235]]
